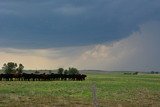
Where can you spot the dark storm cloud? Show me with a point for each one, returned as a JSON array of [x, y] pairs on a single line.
[[60, 23]]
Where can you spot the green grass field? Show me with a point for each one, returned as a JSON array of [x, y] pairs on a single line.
[[113, 90]]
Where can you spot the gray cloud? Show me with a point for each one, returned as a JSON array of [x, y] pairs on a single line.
[[49, 24], [139, 51]]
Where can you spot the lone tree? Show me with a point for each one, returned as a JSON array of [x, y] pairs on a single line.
[[73, 71], [60, 71], [9, 68], [20, 68]]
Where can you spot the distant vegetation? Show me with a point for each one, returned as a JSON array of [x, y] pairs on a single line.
[[14, 72], [12, 67], [154, 72], [70, 71]]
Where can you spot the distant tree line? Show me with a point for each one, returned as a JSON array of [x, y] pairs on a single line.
[[12, 71], [70, 71], [154, 72]]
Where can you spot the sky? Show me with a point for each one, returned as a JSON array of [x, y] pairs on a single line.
[[112, 35]]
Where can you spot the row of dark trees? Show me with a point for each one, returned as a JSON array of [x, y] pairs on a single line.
[[70, 71], [154, 72], [11, 68], [14, 72]]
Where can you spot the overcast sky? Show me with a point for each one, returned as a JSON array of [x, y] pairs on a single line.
[[87, 34]]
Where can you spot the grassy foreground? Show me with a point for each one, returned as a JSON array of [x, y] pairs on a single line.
[[113, 90]]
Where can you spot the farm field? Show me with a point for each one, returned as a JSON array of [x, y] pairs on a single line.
[[112, 90]]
